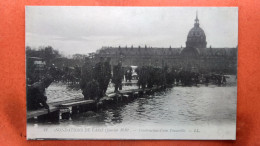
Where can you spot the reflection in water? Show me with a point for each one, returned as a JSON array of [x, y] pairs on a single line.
[[176, 106], [193, 106]]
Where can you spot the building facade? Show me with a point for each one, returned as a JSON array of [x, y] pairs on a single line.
[[194, 55]]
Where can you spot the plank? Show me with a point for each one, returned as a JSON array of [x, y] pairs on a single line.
[[125, 95], [111, 95], [64, 110], [130, 91], [39, 112], [56, 103], [126, 91], [77, 103]]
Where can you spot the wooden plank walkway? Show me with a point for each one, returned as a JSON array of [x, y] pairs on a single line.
[[65, 101], [39, 112], [130, 91], [64, 105], [77, 103]]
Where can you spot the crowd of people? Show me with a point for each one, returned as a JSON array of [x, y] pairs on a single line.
[[94, 79], [149, 76]]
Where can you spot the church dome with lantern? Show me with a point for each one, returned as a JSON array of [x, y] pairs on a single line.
[[196, 37]]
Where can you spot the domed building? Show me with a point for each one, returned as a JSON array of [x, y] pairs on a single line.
[[196, 39], [194, 55], [190, 52]]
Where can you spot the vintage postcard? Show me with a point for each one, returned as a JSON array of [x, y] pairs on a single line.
[[131, 72]]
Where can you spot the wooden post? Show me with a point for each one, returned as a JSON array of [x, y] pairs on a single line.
[[141, 93], [125, 97], [65, 115], [74, 110], [135, 95], [99, 105], [42, 118], [131, 95], [54, 116], [117, 96], [82, 108]]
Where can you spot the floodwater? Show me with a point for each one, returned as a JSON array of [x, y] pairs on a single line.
[[59, 92], [196, 105], [197, 112]]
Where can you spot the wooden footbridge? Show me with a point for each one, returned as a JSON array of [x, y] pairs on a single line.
[[67, 108]]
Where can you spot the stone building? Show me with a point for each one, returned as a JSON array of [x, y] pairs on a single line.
[[195, 55]]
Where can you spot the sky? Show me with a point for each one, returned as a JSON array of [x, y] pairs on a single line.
[[85, 29]]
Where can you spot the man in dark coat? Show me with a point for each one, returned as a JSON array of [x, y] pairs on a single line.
[[36, 93], [91, 91], [150, 76], [100, 76], [130, 73], [118, 75], [142, 76], [86, 77], [107, 74]]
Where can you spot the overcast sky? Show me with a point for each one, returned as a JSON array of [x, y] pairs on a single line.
[[83, 30]]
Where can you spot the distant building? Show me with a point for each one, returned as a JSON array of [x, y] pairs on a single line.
[[194, 55]]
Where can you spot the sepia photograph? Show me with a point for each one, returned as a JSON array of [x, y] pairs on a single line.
[[95, 72]]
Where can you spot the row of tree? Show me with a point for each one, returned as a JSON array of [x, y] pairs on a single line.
[[41, 59], [46, 53]]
